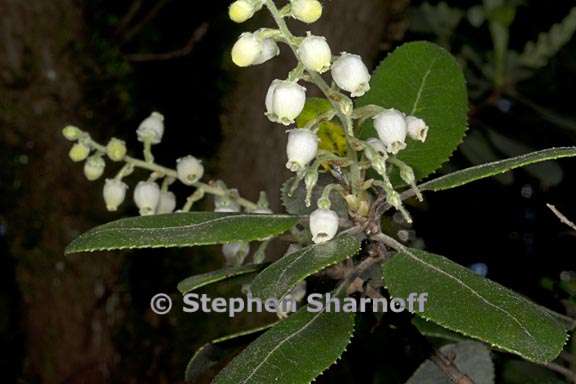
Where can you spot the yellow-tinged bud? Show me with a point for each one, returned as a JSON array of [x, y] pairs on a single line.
[[116, 149], [94, 167], [307, 11], [247, 49], [241, 10], [71, 133], [79, 152]]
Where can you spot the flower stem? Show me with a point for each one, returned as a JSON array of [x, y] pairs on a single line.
[[162, 171], [331, 95]]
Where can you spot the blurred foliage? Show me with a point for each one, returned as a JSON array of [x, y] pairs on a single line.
[[498, 70]]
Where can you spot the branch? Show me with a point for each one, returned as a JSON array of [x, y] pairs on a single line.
[[449, 369], [127, 19], [561, 217], [149, 17], [198, 34], [562, 370]]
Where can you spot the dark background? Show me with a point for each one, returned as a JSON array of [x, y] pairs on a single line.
[[85, 318]]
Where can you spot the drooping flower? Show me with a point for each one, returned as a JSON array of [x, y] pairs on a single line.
[[417, 128], [147, 197], [94, 167], [167, 203], [392, 129], [285, 101], [114, 193], [323, 225], [151, 129], [189, 170], [315, 54], [351, 74], [247, 49], [307, 11], [243, 10], [302, 148]]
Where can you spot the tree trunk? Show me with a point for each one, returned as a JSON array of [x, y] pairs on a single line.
[[253, 151], [63, 317]]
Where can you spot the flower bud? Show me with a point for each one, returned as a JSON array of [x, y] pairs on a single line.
[[71, 133], [235, 252], [315, 53], [226, 204], [377, 145], [167, 203], [310, 181], [114, 193], [323, 225], [79, 152], [116, 149], [417, 128], [189, 169], [151, 129], [307, 11], [242, 10], [350, 74], [301, 149], [94, 167], [394, 199], [379, 165], [392, 130], [407, 175], [263, 204], [247, 49], [269, 51], [147, 197], [285, 101]]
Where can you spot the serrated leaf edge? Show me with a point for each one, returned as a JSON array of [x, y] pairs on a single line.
[[566, 335], [315, 271], [231, 273], [72, 247], [467, 124], [314, 318]]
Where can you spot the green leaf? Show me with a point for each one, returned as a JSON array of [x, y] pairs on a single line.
[[483, 171], [431, 329], [211, 353], [549, 173], [479, 150], [281, 277], [198, 281], [464, 302], [181, 230], [424, 80], [472, 359], [331, 134], [538, 53], [294, 204], [295, 351]]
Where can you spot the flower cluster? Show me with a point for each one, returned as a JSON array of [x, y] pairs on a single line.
[[360, 168], [151, 195], [286, 100]]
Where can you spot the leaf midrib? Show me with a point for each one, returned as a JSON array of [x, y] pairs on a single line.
[[273, 350], [422, 85], [187, 226], [413, 256]]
